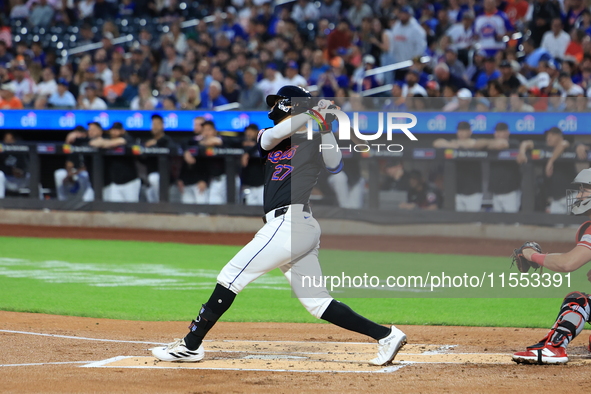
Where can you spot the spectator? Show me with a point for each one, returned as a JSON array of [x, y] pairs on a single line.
[[62, 98], [273, 80], [131, 89], [251, 97], [144, 100], [533, 56], [556, 40], [5, 56], [73, 181], [121, 180], [574, 13], [140, 64], [90, 99], [333, 79], [170, 60], [517, 103], [48, 86], [469, 173], [330, 10], [230, 90], [24, 87], [304, 11], [114, 92], [177, 38], [489, 73], [85, 8], [558, 175], [292, 77], [103, 72], [412, 87], [491, 27], [462, 102], [42, 14], [409, 39], [339, 39], [161, 140], [362, 82], [103, 10], [456, 67], [8, 99], [253, 177], [575, 47], [508, 81], [19, 10], [212, 97], [444, 77], [358, 12], [461, 36], [568, 87], [420, 195]]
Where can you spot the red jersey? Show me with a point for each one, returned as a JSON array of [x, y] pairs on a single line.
[[584, 235]]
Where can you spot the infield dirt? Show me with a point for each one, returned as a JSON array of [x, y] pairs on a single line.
[[29, 361]]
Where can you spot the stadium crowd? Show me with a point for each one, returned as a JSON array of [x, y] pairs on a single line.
[[154, 54]]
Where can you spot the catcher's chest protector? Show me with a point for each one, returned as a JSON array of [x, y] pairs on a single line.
[[582, 230]]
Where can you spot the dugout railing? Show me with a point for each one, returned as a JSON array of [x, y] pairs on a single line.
[[444, 158]]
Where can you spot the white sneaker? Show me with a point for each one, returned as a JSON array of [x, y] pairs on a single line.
[[177, 351], [388, 347]]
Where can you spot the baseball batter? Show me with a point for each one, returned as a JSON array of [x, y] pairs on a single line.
[[575, 309], [289, 240]]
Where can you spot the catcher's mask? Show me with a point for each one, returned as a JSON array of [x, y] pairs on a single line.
[[579, 200], [281, 103]]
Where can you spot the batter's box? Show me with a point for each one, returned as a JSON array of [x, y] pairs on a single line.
[[345, 357]]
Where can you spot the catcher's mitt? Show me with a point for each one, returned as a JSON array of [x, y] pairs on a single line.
[[522, 263]]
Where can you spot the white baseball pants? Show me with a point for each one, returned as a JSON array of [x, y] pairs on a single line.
[[289, 242]]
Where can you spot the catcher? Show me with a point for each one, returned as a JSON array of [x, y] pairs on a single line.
[[575, 308]]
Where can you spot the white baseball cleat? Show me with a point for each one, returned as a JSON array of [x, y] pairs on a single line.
[[177, 351], [388, 347]]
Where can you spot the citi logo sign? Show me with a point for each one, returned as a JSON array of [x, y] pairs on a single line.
[[438, 123], [568, 124], [136, 121], [29, 120], [171, 121], [478, 123], [68, 121], [528, 123]]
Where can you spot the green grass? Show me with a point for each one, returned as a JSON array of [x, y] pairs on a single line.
[[167, 281]]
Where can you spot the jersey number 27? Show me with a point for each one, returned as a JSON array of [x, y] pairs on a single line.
[[281, 171]]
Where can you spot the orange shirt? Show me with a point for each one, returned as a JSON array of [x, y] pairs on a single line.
[[13, 103], [575, 50], [117, 88]]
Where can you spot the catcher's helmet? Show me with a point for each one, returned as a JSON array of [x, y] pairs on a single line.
[[580, 205]]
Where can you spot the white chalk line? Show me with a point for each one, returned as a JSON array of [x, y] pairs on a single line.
[[103, 364], [50, 363], [81, 338]]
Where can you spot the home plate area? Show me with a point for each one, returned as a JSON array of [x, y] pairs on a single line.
[[345, 357]]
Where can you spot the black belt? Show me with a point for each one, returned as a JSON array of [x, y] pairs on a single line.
[[283, 211]]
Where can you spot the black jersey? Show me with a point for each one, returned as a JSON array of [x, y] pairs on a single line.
[[291, 170], [165, 141], [120, 169], [505, 176]]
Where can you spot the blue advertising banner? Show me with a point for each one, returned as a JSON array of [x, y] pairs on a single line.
[[427, 122]]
